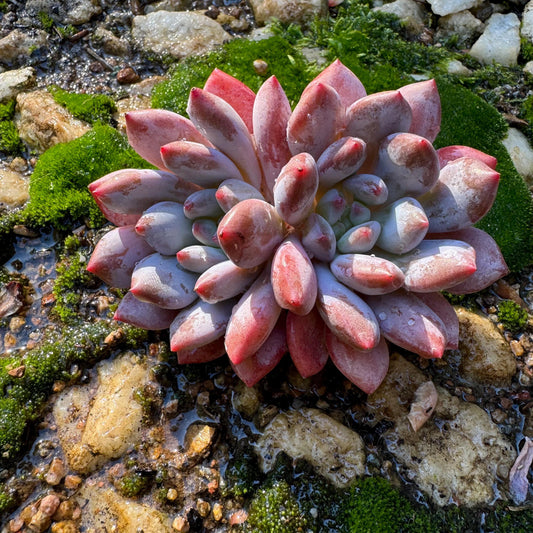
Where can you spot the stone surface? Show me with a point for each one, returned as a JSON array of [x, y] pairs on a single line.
[[110, 43], [527, 22], [19, 45], [199, 440], [113, 422], [463, 25], [178, 34], [446, 7], [521, 153], [13, 188], [42, 123], [298, 11], [13, 82], [66, 11], [334, 450], [411, 12], [457, 456], [486, 356], [500, 41], [167, 5]]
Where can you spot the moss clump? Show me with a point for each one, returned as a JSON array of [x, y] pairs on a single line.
[[504, 520], [89, 107], [236, 58], [71, 276], [276, 509], [23, 397], [133, 484], [373, 505], [242, 474], [58, 186], [10, 141], [512, 316], [7, 501], [46, 21]]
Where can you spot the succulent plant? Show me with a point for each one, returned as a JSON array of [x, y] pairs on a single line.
[[327, 231]]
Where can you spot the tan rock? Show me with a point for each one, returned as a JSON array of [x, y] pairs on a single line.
[[43, 123], [13, 188], [486, 357], [112, 425], [334, 450], [198, 441], [457, 456], [298, 11], [124, 105]]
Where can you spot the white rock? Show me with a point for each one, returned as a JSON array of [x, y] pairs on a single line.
[[334, 450], [458, 456], [446, 7], [528, 67], [13, 82], [42, 123], [298, 11], [17, 44], [178, 34], [527, 22], [456, 67], [463, 24], [411, 12], [500, 42], [521, 153]]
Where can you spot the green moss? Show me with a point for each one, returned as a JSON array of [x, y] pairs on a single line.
[[373, 505], [71, 276], [511, 315], [468, 120], [133, 484], [7, 110], [58, 186], [89, 107], [23, 397], [275, 509], [236, 58], [46, 21], [505, 520], [242, 474], [7, 501], [10, 141]]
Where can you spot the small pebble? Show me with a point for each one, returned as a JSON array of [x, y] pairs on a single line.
[[17, 372], [172, 494], [127, 75], [203, 507], [517, 348], [56, 472], [72, 481], [260, 67], [181, 524], [217, 511]]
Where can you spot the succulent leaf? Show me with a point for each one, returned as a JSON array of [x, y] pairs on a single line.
[[143, 314]]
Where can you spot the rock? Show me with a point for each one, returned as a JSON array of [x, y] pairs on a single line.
[[456, 67], [42, 123], [527, 22], [167, 5], [246, 400], [446, 7], [127, 76], [198, 442], [499, 42], [457, 456], [334, 450], [463, 25], [110, 43], [19, 45], [114, 421], [412, 13], [178, 34], [125, 105], [486, 357], [297, 11], [56, 472], [13, 82], [73, 12], [521, 153], [14, 188]]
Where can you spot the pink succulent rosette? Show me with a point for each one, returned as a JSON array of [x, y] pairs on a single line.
[[326, 231]]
